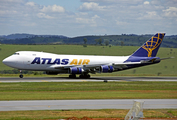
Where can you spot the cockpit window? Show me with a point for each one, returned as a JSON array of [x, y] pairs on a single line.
[[16, 54]]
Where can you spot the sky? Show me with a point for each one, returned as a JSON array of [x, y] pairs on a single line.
[[73, 18]]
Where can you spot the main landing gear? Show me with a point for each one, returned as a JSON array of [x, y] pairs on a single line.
[[21, 75], [80, 76], [72, 76], [84, 76]]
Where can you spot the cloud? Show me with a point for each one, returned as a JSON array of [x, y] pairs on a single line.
[[170, 12], [88, 21], [146, 2], [7, 12], [13, 1], [53, 8], [30, 3], [89, 17], [108, 2], [91, 6], [150, 15], [121, 23], [42, 15]]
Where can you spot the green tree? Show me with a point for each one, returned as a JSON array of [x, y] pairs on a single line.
[[98, 41], [84, 45], [122, 43], [85, 42], [106, 42]]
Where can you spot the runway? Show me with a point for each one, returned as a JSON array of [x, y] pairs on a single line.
[[92, 79], [85, 104]]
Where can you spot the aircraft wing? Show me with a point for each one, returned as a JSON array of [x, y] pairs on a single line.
[[115, 65], [63, 67], [94, 67], [84, 66]]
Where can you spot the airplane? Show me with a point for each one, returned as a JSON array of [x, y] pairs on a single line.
[[55, 64]]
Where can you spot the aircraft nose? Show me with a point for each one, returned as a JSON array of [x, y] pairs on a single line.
[[14, 62], [7, 61]]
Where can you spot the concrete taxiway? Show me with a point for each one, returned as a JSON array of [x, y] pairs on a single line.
[[92, 79], [85, 104]]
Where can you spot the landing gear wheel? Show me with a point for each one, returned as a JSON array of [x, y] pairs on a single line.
[[81, 76], [84, 76], [21, 76], [88, 76], [72, 76]]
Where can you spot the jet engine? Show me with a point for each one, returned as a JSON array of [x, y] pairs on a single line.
[[106, 69], [75, 70]]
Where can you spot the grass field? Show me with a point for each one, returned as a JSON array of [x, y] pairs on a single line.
[[58, 114], [165, 68], [91, 90], [88, 90]]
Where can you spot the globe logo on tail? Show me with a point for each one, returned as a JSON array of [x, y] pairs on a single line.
[[153, 43]]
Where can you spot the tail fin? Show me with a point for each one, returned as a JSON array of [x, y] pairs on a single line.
[[151, 47]]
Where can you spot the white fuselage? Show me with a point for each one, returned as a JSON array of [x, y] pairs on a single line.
[[42, 61]]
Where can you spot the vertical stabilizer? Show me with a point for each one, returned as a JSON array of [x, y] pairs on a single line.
[[151, 47]]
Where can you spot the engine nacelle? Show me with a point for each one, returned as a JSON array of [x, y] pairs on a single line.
[[75, 70], [106, 69], [51, 72]]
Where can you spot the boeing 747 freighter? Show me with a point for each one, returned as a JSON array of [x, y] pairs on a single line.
[[55, 64]]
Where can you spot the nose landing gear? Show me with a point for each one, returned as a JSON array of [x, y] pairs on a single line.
[[21, 75]]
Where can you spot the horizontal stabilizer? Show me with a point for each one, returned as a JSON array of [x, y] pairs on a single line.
[[164, 58]]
